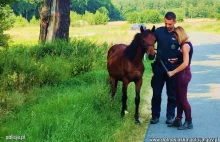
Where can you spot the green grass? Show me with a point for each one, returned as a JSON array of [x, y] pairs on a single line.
[[201, 25], [62, 105], [79, 110]]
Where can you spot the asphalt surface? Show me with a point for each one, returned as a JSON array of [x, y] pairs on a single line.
[[205, 103]]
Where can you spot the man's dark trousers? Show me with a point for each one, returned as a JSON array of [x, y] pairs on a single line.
[[159, 78]]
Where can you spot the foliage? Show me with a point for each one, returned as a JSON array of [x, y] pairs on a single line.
[[20, 21], [189, 8], [133, 17], [75, 16], [103, 10], [6, 2], [146, 16], [89, 17], [93, 5], [101, 18], [94, 19], [51, 63], [153, 16], [6, 22], [27, 8], [122, 10], [34, 21], [218, 17], [76, 20]]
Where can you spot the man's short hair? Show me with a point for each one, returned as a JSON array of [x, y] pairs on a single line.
[[170, 16]]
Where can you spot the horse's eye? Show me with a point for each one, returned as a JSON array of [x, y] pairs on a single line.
[[143, 41]]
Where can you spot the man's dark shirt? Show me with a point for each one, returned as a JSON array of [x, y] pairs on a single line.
[[167, 45]]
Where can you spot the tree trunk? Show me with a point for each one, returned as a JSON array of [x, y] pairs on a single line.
[[55, 20]]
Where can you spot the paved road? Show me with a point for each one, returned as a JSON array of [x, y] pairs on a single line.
[[204, 93]]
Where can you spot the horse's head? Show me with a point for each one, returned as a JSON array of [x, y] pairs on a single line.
[[148, 39]]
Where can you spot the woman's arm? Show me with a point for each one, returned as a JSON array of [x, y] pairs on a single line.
[[185, 50]]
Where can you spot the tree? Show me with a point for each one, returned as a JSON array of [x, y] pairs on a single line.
[[101, 18], [54, 20], [184, 5], [27, 8], [7, 19]]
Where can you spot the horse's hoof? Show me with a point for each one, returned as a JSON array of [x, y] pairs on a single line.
[[137, 122]]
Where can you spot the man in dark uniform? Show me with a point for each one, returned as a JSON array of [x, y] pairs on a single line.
[[167, 47]]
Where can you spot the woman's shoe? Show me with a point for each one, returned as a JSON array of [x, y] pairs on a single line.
[[187, 125], [176, 123]]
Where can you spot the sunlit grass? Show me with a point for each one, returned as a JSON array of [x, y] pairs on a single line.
[[114, 32], [77, 113]]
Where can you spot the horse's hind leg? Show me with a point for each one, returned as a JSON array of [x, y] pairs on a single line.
[[138, 85], [124, 97], [114, 84]]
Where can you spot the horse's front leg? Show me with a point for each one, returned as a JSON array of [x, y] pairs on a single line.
[[138, 85], [124, 97]]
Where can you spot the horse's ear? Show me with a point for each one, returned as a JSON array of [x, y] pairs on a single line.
[[142, 29], [153, 28]]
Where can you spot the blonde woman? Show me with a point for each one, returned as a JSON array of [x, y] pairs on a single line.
[[183, 75]]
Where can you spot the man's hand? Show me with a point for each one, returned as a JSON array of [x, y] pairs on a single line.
[[171, 73]]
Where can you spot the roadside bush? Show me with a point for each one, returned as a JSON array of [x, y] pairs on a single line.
[[22, 67], [20, 22], [18, 70], [218, 17], [34, 21], [100, 18], [133, 17], [53, 70], [76, 20], [180, 18], [153, 16], [89, 17], [147, 16], [75, 16], [7, 18]]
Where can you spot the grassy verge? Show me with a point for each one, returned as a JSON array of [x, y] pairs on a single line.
[[78, 110], [51, 93]]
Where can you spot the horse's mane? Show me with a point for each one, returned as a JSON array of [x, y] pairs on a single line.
[[131, 49]]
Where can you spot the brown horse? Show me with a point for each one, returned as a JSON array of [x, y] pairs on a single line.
[[125, 64]]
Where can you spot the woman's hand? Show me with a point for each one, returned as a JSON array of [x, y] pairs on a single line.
[[171, 73]]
